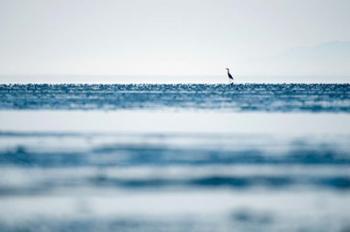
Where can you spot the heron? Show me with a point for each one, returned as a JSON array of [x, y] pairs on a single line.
[[229, 74]]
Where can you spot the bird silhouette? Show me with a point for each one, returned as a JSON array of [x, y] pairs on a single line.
[[229, 74]]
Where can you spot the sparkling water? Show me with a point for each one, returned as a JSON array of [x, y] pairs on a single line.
[[253, 157]]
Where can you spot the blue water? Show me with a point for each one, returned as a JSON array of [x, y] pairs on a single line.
[[241, 97], [54, 179]]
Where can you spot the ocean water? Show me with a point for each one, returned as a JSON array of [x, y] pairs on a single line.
[[242, 97], [254, 157]]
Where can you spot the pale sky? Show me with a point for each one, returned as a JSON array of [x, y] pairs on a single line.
[[179, 37]]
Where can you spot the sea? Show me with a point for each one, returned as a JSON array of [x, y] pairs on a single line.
[[174, 157]]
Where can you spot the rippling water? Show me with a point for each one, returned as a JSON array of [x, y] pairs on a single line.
[[243, 97], [175, 157]]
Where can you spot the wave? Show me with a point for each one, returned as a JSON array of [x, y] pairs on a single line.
[[130, 155], [34, 181]]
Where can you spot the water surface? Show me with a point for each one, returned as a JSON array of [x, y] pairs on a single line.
[[240, 97], [175, 157]]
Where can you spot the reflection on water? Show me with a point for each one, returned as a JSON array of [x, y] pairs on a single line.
[[187, 170]]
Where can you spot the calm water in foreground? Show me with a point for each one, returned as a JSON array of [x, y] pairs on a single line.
[[175, 157]]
